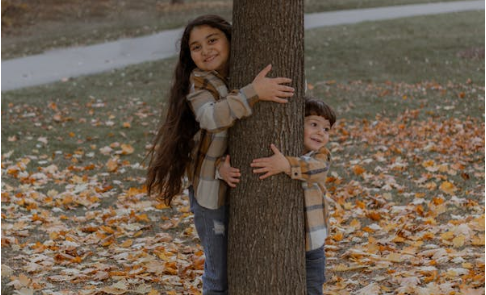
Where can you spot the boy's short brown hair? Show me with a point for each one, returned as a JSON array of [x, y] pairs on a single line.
[[317, 107]]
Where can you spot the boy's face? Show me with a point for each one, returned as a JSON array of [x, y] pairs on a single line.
[[316, 132]]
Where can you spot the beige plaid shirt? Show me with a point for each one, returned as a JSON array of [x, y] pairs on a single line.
[[312, 169], [216, 110]]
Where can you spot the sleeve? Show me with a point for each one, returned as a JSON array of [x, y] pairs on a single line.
[[216, 115], [310, 167], [217, 164]]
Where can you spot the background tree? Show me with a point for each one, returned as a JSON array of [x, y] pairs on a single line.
[[266, 252]]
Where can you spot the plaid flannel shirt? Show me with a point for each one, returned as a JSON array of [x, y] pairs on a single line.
[[312, 169], [216, 110]]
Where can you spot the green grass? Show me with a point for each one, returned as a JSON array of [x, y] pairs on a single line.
[[370, 54], [80, 26], [387, 67]]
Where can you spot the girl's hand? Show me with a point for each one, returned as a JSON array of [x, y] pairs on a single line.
[[229, 174], [270, 89], [271, 165]]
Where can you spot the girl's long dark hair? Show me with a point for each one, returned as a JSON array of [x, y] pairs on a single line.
[[171, 150]]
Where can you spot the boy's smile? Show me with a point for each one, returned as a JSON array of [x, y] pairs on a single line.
[[209, 49], [316, 132]]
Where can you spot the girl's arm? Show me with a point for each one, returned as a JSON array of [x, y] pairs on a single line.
[[305, 168], [216, 115]]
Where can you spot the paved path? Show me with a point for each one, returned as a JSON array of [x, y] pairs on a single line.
[[59, 64]]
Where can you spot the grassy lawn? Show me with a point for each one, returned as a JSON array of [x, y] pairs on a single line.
[[407, 177], [33, 26]]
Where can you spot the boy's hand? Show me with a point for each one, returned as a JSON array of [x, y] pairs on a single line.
[[229, 174], [271, 165], [270, 89]]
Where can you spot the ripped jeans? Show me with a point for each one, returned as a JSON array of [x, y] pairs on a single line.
[[212, 228]]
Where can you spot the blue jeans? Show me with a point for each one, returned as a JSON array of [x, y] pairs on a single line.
[[212, 228], [315, 262]]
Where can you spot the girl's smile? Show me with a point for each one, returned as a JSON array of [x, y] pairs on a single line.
[[210, 49]]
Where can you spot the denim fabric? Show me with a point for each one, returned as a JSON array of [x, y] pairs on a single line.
[[315, 261], [212, 228]]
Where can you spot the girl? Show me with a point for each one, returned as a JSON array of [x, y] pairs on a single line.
[[194, 135]]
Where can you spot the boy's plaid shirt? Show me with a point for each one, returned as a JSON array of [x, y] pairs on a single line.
[[312, 169], [216, 111]]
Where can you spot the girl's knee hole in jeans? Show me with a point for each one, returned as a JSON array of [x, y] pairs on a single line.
[[219, 228]]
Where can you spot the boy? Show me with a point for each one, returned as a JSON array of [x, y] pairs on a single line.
[[311, 169]]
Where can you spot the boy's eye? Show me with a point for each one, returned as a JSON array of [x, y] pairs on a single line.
[[314, 124], [327, 129]]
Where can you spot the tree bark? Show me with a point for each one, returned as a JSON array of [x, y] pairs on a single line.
[[266, 247]]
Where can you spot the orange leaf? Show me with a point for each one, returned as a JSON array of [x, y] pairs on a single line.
[[338, 237], [360, 204], [374, 215], [112, 164], [358, 170]]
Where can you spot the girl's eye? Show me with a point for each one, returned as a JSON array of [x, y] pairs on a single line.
[[195, 48], [314, 124], [327, 129], [211, 41]]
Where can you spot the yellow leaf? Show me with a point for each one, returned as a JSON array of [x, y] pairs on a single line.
[[428, 163], [127, 149], [459, 241], [161, 205], [478, 241], [126, 244], [394, 257], [170, 268], [447, 235], [355, 223], [448, 188], [127, 125]]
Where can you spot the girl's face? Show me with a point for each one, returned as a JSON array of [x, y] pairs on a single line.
[[210, 49]]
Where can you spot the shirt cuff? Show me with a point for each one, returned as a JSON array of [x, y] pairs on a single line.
[[295, 170], [218, 176], [250, 93]]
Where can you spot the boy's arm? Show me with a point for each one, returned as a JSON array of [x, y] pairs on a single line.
[[271, 165], [310, 168], [225, 172]]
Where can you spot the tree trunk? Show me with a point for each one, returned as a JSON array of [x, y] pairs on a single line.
[[266, 250]]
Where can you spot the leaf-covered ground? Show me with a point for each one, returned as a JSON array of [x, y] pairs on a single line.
[[408, 216]]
